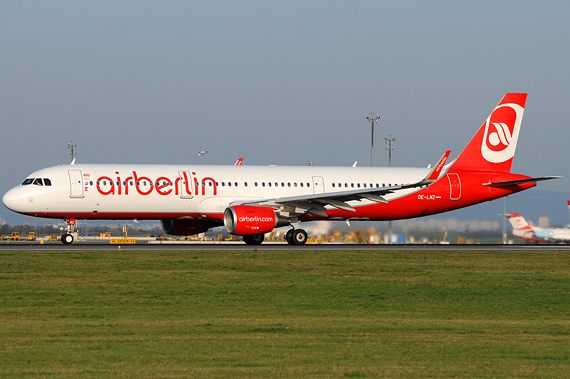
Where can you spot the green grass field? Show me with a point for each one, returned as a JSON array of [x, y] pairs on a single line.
[[180, 314]]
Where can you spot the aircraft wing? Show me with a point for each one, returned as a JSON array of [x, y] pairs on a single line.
[[315, 203]]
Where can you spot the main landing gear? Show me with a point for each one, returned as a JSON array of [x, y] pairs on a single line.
[[256, 239], [296, 237], [293, 237]]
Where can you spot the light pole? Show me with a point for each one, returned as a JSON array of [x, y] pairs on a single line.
[[71, 146], [389, 141], [373, 120], [202, 153]]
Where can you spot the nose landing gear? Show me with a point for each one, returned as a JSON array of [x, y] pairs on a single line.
[[67, 238]]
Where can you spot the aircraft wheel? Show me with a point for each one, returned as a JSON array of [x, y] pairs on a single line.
[[299, 237], [289, 236], [66, 239], [256, 239]]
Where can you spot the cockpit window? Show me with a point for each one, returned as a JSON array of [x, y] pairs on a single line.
[[38, 182], [28, 181], [47, 182]]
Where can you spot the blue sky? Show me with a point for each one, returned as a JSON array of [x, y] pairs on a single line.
[[279, 82]]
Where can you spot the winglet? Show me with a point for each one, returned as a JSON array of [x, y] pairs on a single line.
[[434, 173], [436, 170]]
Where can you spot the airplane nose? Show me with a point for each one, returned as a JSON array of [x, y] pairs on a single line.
[[12, 200]]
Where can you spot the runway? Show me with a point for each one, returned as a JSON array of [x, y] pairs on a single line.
[[102, 246]]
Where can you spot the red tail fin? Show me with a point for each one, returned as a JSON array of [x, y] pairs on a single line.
[[493, 146]]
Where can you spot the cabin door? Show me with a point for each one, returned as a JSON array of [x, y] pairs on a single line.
[[454, 186], [75, 183]]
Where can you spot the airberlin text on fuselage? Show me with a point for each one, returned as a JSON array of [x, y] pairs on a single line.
[[162, 185]]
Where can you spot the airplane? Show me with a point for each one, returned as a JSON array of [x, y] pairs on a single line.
[[253, 200], [531, 233]]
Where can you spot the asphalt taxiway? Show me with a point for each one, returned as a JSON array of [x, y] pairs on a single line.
[[82, 246]]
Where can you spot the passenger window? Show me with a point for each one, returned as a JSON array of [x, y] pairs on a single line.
[[333, 185], [229, 184], [301, 184], [47, 182]]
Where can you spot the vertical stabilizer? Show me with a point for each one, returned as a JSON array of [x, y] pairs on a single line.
[[518, 222], [493, 146]]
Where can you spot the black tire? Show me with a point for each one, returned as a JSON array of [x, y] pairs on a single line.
[[256, 239], [299, 237], [67, 239], [289, 236]]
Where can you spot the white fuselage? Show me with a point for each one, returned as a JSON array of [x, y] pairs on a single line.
[[175, 191]]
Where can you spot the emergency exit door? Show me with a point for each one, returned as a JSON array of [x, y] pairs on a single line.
[[454, 186]]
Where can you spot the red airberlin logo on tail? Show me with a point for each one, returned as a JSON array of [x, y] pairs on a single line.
[[501, 133]]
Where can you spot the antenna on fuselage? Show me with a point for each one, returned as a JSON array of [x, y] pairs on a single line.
[[72, 146]]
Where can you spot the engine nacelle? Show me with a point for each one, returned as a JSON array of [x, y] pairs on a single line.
[[247, 220], [185, 227]]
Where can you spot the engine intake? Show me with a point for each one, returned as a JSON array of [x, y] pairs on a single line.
[[247, 220]]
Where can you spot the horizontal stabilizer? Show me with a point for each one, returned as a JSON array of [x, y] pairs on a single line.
[[521, 181]]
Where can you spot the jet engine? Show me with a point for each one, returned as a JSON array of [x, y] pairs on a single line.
[[184, 227], [247, 220]]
